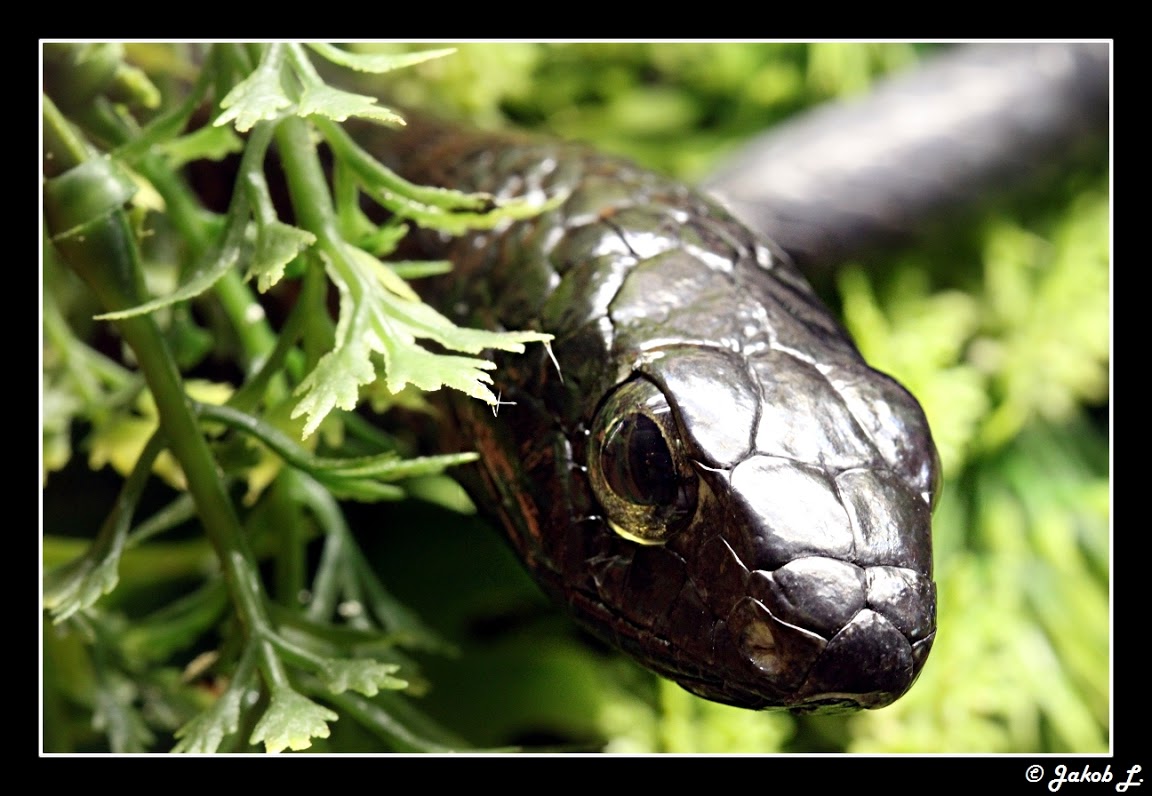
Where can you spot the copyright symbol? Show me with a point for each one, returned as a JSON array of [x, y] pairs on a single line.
[[1034, 773]]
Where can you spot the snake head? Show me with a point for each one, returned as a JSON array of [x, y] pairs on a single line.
[[773, 517], [708, 475]]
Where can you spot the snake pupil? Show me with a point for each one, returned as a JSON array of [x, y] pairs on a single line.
[[638, 467], [637, 463]]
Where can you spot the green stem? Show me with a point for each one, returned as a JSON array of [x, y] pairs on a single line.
[[150, 564], [393, 720], [88, 368], [308, 186], [333, 575], [103, 253], [177, 512], [257, 387], [371, 173], [63, 147], [82, 581]]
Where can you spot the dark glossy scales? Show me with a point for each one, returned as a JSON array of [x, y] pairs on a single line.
[[801, 574]]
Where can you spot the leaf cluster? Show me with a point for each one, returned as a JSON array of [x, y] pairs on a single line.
[[130, 247]]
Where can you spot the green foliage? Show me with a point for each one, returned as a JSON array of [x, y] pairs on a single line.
[[291, 722], [264, 643], [380, 314], [182, 626], [206, 733]]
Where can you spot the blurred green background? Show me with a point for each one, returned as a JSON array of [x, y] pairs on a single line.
[[1001, 327]]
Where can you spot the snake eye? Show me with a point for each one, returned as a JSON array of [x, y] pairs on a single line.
[[637, 465]]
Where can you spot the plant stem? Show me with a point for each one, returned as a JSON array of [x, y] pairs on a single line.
[[103, 253], [307, 185]]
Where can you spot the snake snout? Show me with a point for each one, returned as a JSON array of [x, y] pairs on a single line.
[[836, 635]]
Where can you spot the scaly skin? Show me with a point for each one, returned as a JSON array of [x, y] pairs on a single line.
[[786, 486]]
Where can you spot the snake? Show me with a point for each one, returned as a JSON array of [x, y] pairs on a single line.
[[702, 468]]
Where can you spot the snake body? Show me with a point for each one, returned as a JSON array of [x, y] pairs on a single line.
[[708, 475]]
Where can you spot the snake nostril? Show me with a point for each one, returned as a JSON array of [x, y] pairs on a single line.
[[780, 651]]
